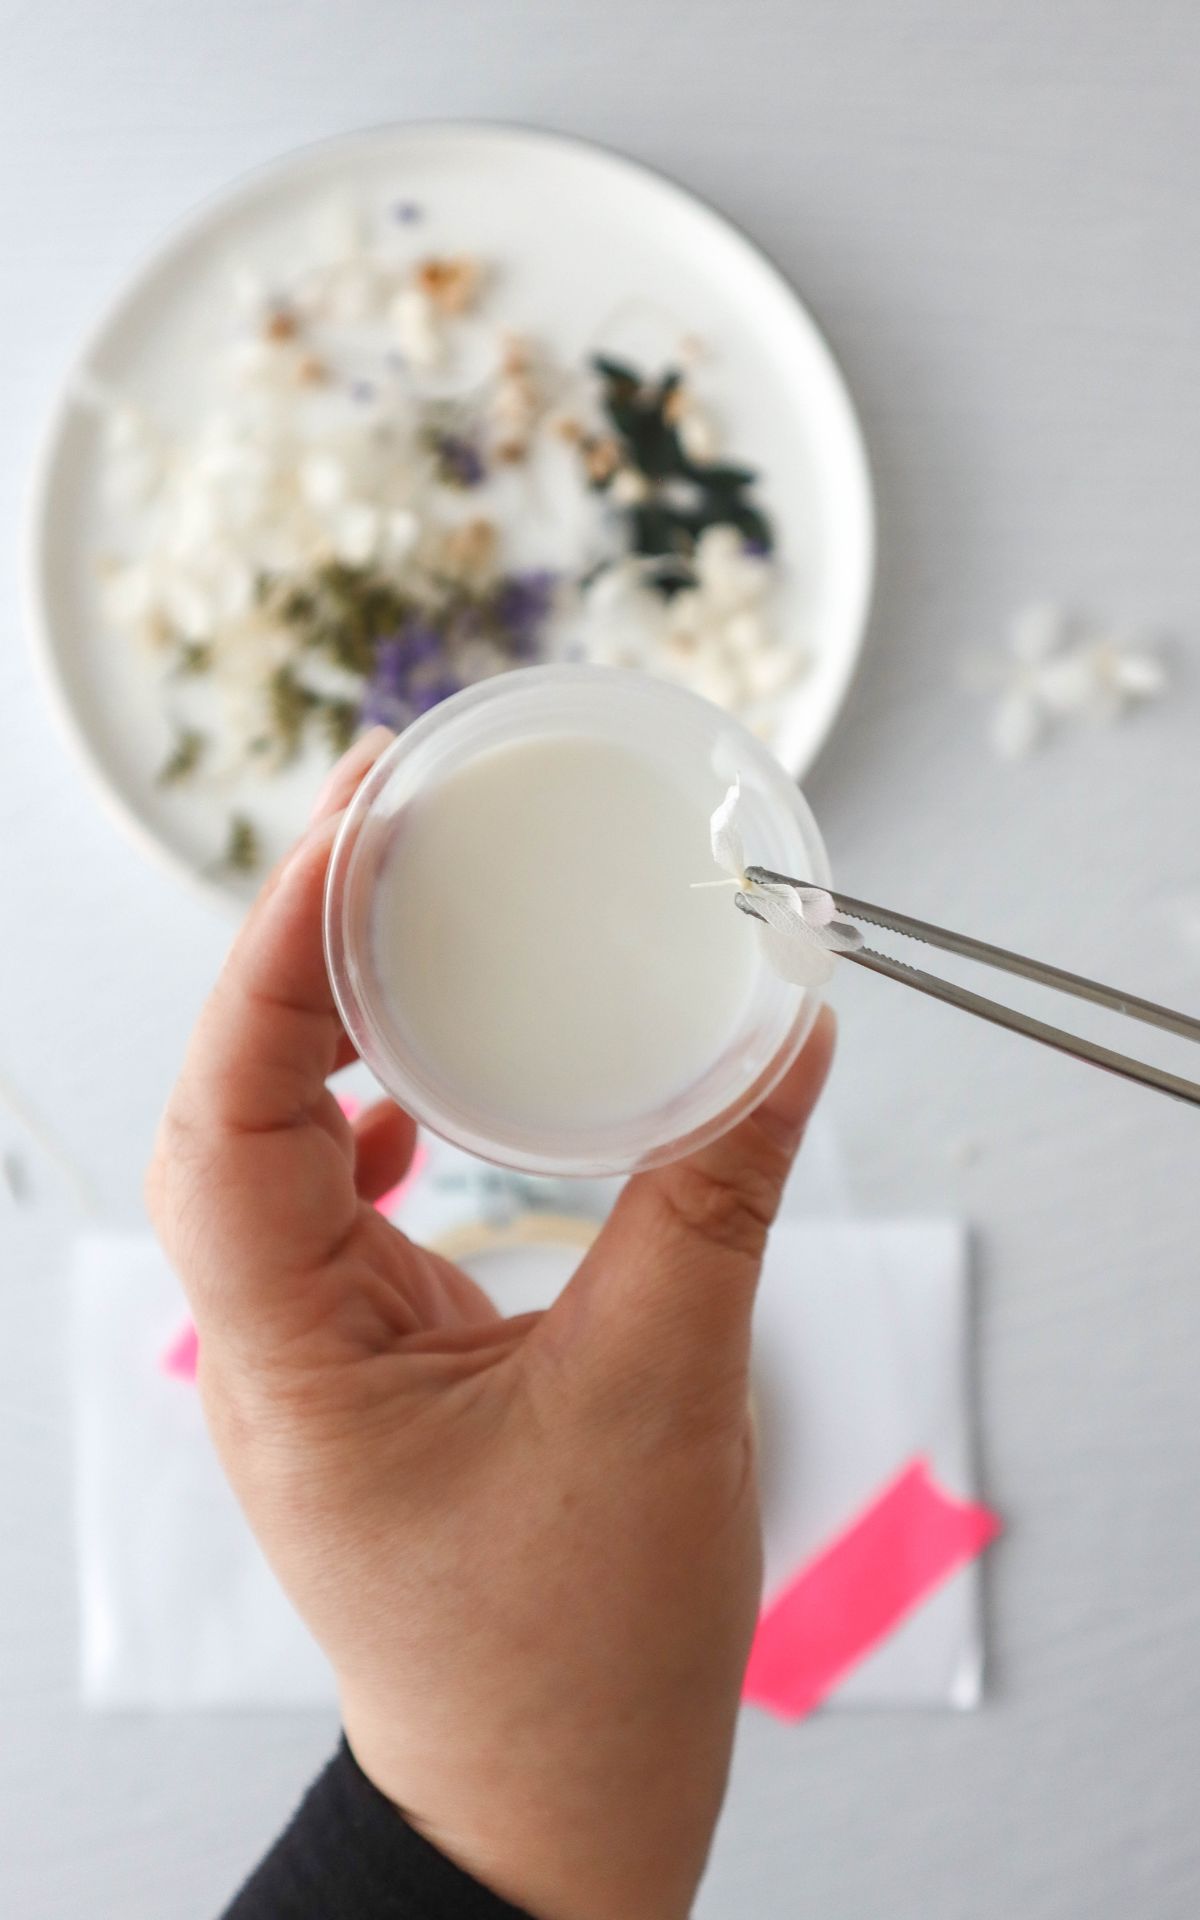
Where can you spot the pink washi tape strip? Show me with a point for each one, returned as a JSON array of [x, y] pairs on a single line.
[[859, 1588], [389, 1201], [180, 1358]]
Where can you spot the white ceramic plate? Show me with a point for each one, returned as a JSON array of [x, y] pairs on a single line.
[[581, 234]]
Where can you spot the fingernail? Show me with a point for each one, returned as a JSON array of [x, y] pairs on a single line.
[[318, 833], [362, 754], [374, 741]]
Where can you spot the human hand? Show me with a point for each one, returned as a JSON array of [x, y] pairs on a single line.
[[530, 1548]]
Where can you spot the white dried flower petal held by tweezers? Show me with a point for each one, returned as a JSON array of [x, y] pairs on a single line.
[[799, 933], [727, 848], [1057, 978]]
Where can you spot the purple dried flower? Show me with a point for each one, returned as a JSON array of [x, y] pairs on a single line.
[[421, 641], [380, 709], [391, 666], [406, 212], [363, 391], [522, 606], [465, 623], [385, 696], [459, 462], [435, 691], [389, 696]]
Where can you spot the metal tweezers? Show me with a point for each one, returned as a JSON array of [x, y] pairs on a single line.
[[1002, 1016]]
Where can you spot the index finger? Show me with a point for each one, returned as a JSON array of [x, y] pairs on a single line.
[[270, 1035], [249, 1177]]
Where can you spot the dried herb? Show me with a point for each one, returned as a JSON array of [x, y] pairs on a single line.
[[681, 497], [184, 757], [194, 658], [297, 606], [670, 578], [616, 373], [291, 703], [343, 613], [241, 848], [457, 460], [340, 721]]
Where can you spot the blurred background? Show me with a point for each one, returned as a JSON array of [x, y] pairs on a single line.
[[993, 212]]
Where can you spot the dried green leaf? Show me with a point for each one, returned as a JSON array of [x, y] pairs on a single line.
[[658, 530], [752, 524], [721, 479], [184, 757], [291, 702], [298, 606], [670, 578], [651, 443], [340, 721], [616, 371], [241, 848], [194, 658]]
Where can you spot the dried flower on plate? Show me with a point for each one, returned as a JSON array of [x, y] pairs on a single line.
[[799, 931], [184, 757], [295, 562], [516, 402], [682, 496], [468, 554], [280, 325], [457, 460], [241, 847], [1060, 668], [452, 284]]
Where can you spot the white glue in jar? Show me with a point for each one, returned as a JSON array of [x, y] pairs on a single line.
[[522, 931]]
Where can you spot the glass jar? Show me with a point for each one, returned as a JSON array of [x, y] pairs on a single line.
[[690, 742]]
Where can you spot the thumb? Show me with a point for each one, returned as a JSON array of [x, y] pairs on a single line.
[[670, 1283]]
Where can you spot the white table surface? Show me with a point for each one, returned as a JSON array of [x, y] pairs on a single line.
[[994, 208]]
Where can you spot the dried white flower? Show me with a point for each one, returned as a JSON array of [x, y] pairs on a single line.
[[799, 932], [398, 535], [1059, 669], [418, 329], [731, 579], [355, 531], [725, 828], [628, 488], [799, 935], [516, 403], [324, 481], [1123, 671], [697, 435], [771, 668]]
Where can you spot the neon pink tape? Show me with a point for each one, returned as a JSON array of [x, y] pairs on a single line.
[[179, 1359], [859, 1588], [389, 1201]]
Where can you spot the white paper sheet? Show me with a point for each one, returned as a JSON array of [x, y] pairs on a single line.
[[860, 1362]]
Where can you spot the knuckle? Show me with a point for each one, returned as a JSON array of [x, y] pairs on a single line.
[[730, 1210]]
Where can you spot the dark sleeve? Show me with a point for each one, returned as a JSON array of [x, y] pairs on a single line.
[[350, 1855]]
